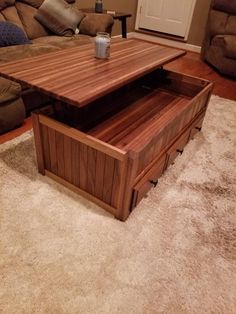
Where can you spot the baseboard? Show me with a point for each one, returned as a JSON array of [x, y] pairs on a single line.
[[129, 35], [163, 41]]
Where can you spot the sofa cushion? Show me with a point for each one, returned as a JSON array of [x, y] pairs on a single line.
[[32, 27], [227, 43], [63, 41], [37, 3], [228, 6], [32, 3], [11, 15], [12, 114], [230, 46], [217, 22], [12, 53], [9, 90], [11, 34], [6, 3], [231, 25], [59, 16]]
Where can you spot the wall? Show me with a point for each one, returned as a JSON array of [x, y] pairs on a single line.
[[197, 27]]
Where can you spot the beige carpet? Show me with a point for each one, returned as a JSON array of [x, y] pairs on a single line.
[[175, 254]]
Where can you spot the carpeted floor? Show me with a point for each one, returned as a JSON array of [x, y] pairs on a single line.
[[175, 254]]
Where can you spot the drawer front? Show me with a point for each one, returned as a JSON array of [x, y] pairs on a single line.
[[177, 148], [148, 181], [197, 125]]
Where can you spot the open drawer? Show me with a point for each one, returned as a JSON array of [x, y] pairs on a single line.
[[106, 151]]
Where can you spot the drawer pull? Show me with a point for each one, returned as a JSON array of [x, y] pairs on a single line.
[[154, 183], [198, 128], [180, 151]]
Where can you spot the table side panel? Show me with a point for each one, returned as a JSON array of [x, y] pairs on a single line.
[[89, 169], [170, 130]]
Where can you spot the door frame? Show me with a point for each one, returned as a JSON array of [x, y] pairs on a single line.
[[185, 38]]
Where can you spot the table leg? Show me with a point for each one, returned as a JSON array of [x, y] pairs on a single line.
[[123, 27]]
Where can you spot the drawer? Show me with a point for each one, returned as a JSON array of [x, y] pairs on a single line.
[[177, 148], [197, 125], [149, 180]]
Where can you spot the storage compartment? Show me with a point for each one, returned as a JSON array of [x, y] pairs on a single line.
[[114, 149]]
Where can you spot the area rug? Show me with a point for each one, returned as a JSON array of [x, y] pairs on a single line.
[[176, 253]]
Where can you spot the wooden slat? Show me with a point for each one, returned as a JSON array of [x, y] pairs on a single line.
[[99, 180], [83, 165], [38, 143], [119, 184], [60, 155], [91, 170], [68, 158], [46, 148], [53, 150], [108, 179], [131, 118], [75, 162], [130, 174], [156, 126], [115, 195]]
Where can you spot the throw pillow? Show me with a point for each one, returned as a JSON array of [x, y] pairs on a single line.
[[59, 16], [35, 3], [11, 34]]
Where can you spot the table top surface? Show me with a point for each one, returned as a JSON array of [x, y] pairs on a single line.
[[116, 15], [76, 77]]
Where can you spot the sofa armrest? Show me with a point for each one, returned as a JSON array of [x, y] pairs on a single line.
[[93, 23], [9, 90]]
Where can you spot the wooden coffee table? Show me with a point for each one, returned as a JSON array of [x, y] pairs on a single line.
[[115, 125]]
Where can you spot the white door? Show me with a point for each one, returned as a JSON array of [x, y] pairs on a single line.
[[166, 16]]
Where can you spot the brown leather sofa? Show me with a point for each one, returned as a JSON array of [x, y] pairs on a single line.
[[219, 46], [16, 101]]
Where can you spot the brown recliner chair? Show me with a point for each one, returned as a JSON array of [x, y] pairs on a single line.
[[219, 46]]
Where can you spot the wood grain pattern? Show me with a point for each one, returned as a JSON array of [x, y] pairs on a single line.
[[52, 150], [99, 180], [108, 179], [46, 148], [75, 162], [83, 163], [60, 154], [68, 158], [38, 143], [76, 77]]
